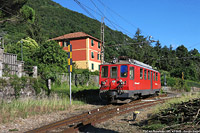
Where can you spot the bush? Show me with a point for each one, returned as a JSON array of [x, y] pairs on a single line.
[[193, 84], [38, 85]]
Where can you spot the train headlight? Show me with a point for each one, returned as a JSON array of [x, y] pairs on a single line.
[[113, 81], [121, 82], [103, 82]]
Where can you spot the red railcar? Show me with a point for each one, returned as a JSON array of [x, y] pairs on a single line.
[[128, 79]]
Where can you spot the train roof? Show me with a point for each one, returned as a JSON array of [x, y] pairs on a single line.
[[132, 61]]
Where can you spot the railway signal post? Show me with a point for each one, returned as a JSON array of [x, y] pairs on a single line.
[[70, 68]]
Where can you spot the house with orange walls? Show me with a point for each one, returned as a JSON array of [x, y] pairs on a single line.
[[86, 49]]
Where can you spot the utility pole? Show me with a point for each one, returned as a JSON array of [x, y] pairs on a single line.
[[102, 40], [70, 69]]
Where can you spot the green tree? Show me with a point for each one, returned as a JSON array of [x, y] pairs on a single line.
[[26, 49], [27, 13], [52, 59], [111, 51], [15, 10]]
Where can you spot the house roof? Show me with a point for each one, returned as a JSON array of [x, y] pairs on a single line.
[[75, 35]]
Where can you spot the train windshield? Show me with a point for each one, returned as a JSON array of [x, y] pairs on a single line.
[[104, 71], [124, 71], [114, 72]]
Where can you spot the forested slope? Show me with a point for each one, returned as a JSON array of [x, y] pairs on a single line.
[[52, 20]]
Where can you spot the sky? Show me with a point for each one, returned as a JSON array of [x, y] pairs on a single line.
[[172, 22]]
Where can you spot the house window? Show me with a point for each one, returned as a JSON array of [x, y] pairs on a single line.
[[92, 54], [64, 44], [97, 56], [92, 42], [141, 73], [99, 46], [92, 66]]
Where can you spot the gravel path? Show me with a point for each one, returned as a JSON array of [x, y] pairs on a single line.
[[122, 124], [117, 124], [21, 125]]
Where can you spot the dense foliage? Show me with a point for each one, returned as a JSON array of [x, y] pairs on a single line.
[[49, 57], [16, 10], [51, 60], [52, 20]]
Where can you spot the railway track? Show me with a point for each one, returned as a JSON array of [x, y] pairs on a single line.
[[73, 124]]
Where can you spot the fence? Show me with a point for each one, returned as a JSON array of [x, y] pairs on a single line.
[[10, 65]]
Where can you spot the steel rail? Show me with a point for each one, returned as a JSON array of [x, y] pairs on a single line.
[[67, 121], [111, 113], [90, 117]]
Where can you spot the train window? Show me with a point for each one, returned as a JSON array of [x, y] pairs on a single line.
[[145, 74], [114, 72], [131, 73], [104, 71], [124, 71], [141, 73], [148, 75], [156, 76]]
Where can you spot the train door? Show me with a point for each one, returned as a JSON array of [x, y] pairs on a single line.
[[132, 77], [113, 77], [151, 80]]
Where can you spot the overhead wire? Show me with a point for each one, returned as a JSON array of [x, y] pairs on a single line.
[[109, 19], [179, 58], [194, 45], [118, 15], [102, 15], [126, 20], [85, 9]]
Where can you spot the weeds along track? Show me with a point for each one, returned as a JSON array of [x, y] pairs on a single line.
[[73, 124]]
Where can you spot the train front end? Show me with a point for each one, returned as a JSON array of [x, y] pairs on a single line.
[[113, 81]]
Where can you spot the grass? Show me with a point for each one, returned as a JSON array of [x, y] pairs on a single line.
[[154, 126], [63, 89], [29, 107]]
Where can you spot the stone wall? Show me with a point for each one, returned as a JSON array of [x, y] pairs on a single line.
[[7, 91], [78, 79]]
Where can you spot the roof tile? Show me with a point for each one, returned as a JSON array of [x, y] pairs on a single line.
[[74, 36]]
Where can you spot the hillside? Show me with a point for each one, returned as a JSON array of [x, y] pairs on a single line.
[[53, 20]]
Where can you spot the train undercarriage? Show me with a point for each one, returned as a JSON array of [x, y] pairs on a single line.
[[125, 96]]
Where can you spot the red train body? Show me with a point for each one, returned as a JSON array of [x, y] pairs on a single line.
[[128, 79]]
